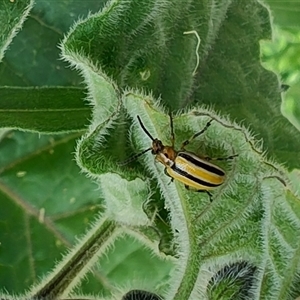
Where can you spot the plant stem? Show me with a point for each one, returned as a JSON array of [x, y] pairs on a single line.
[[73, 265]]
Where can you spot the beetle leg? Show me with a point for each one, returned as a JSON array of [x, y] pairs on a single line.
[[172, 130], [186, 142], [208, 193], [171, 181]]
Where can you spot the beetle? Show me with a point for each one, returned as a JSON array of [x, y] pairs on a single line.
[[185, 166]]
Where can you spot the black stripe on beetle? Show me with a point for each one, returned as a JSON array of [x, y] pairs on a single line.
[[191, 177], [201, 164]]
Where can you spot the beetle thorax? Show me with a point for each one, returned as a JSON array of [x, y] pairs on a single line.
[[166, 156], [169, 152]]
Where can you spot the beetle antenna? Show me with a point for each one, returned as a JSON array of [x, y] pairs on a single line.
[[144, 128], [133, 157]]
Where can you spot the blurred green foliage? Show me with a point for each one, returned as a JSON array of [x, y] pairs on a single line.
[[282, 56]]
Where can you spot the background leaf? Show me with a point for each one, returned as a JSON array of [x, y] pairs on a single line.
[[42, 109], [12, 16], [43, 205], [286, 13], [33, 58]]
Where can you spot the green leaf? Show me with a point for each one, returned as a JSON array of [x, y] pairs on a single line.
[[137, 41], [12, 16], [252, 222], [286, 13], [147, 53], [33, 59], [242, 228], [47, 110], [45, 203], [294, 177], [291, 106]]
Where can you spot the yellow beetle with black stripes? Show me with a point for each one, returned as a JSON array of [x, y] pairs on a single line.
[[184, 166]]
